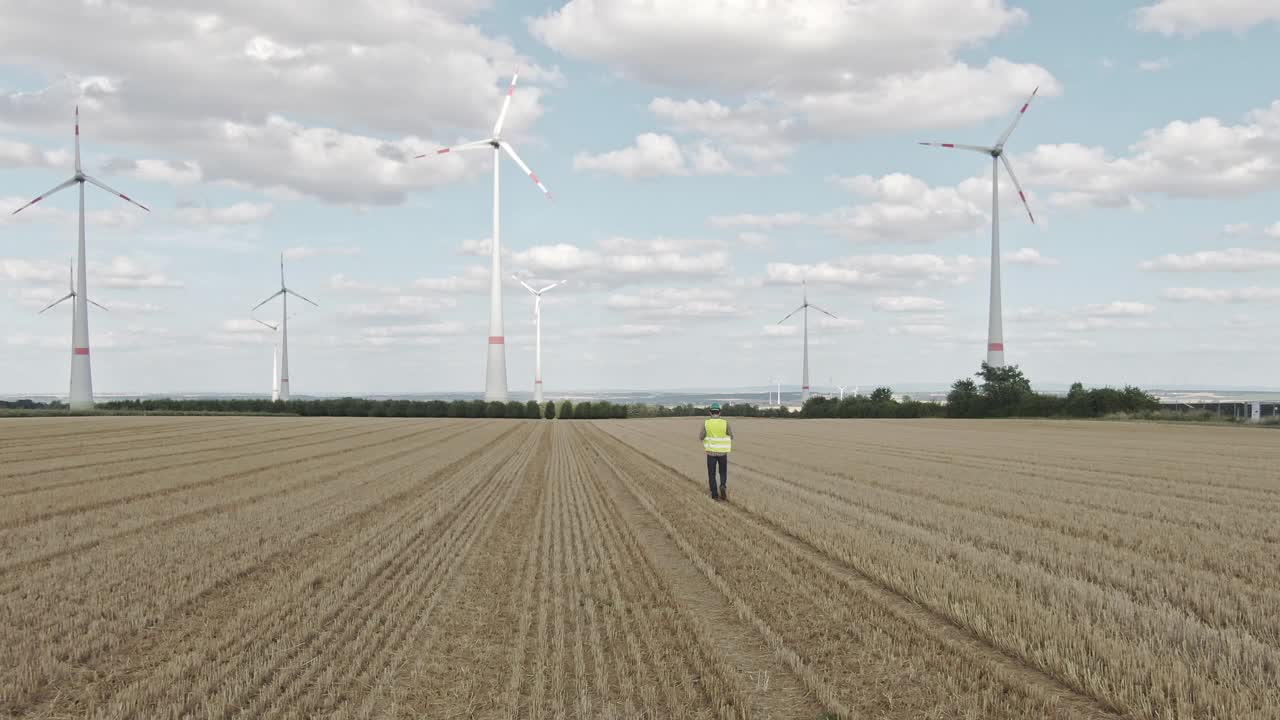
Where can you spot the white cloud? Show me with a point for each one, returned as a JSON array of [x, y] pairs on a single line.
[[473, 280], [31, 271], [1191, 17], [241, 213], [900, 209], [15, 154], [205, 88], [1229, 260], [878, 270], [678, 303], [1273, 231], [908, 303], [339, 282], [754, 239], [179, 173], [629, 330], [1029, 256], [1155, 65], [1203, 158], [1237, 229], [400, 307], [1118, 308], [301, 252], [478, 248], [931, 330], [126, 273], [1232, 295], [655, 155], [628, 257]]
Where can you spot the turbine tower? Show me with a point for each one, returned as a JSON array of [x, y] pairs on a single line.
[[495, 383], [81, 396], [537, 322], [804, 387], [275, 360], [995, 320], [70, 294], [284, 292]]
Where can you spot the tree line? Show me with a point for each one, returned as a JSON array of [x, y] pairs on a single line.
[[362, 407]]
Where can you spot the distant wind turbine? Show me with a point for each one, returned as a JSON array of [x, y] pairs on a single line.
[[275, 360], [81, 396], [537, 323], [495, 383], [804, 388], [995, 321], [284, 292]]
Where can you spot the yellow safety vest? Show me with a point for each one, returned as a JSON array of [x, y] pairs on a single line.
[[717, 439]]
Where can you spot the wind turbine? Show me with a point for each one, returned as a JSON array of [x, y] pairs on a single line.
[[804, 388], [537, 322], [995, 321], [71, 279], [842, 387], [284, 292], [275, 360], [81, 397], [495, 382]]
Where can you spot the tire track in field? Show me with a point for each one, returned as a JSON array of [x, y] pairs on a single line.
[[146, 663], [329, 476], [170, 490], [411, 581], [219, 447], [961, 641], [116, 442]]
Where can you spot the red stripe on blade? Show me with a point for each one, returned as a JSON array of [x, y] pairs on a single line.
[[441, 152], [535, 178], [82, 351], [950, 145], [537, 382], [496, 340], [1024, 108], [996, 346]]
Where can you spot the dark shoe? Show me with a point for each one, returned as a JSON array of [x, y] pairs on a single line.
[[715, 496], [724, 495]]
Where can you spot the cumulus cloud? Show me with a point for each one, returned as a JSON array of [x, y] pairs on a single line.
[[1155, 65], [628, 257], [125, 273], [300, 252], [1229, 260], [878, 270], [1029, 256], [678, 303], [1202, 158], [15, 154], [241, 213], [31, 271], [655, 155], [1219, 296], [179, 173], [897, 208], [908, 303], [162, 80], [474, 279], [395, 309], [1191, 17]]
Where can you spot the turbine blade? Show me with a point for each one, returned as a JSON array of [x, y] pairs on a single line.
[[58, 188], [269, 299], [71, 276], [97, 305], [1017, 118], [512, 152], [525, 284], [299, 296], [1021, 194], [473, 145], [554, 284], [793, 312], [954, 146], [815, 307], [60, 300], [281, 271], [506, 103], [115, 192], [266, 324]]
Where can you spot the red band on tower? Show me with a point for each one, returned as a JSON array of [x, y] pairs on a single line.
[[496, 340], [995, 346], [82, 351]]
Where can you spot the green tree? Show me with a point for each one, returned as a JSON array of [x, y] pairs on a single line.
[[532, 411], [551, 410], [1004, 388], [515, 409], [582, 411], [566, 410], [495, 409], [882, 395]]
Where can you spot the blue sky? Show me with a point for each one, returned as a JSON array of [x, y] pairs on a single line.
[[705, 158]]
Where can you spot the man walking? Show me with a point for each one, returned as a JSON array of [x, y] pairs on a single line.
[[717, 441]]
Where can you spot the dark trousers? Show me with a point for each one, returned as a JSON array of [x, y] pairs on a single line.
[[722, 462]]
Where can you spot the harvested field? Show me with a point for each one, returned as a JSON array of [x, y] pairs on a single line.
[[315, 567]]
